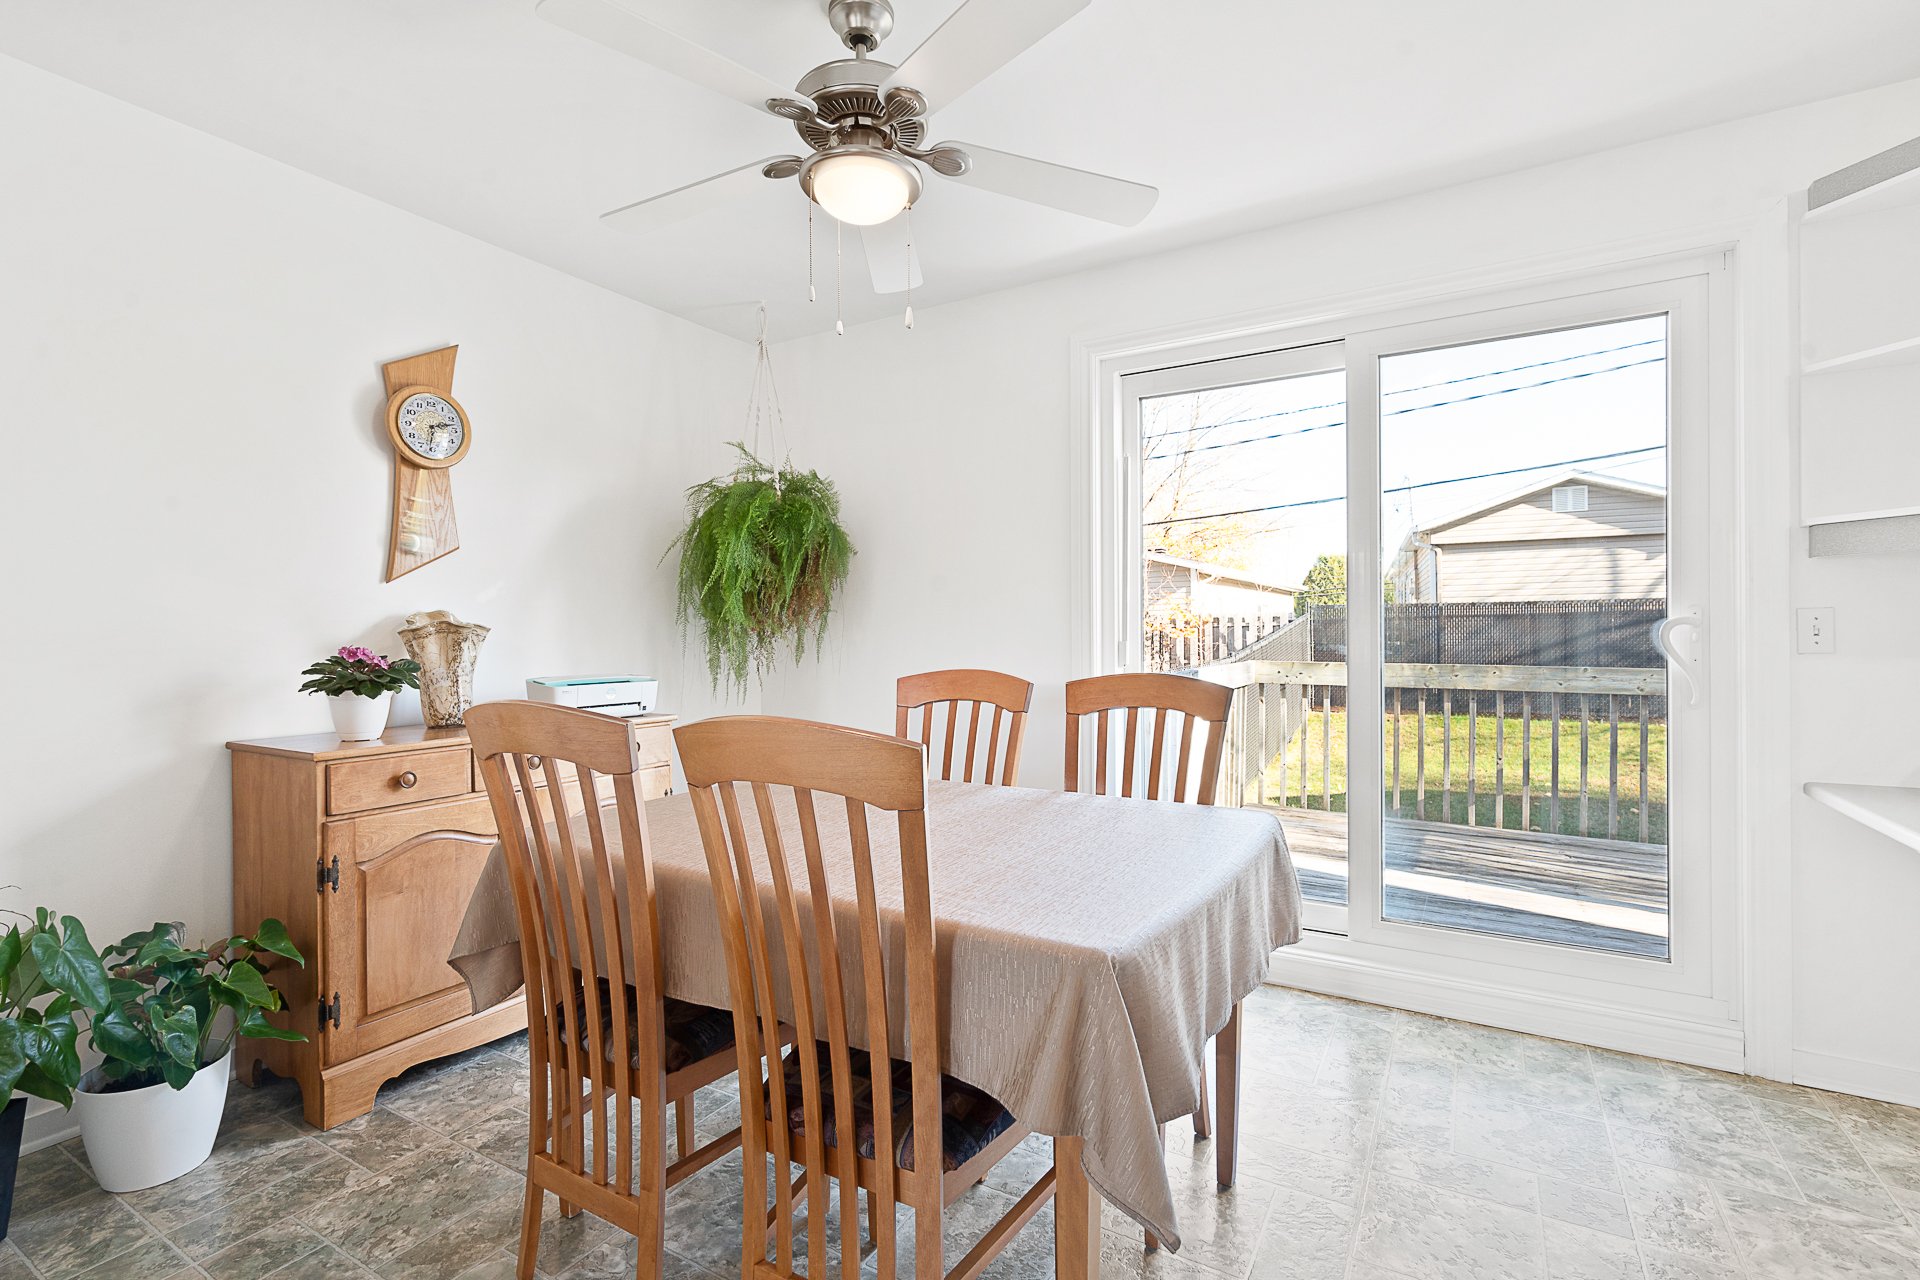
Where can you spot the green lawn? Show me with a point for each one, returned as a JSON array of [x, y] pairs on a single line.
[[1282, 782]]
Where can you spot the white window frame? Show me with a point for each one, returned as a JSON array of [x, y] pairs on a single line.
[[1694, 1014]]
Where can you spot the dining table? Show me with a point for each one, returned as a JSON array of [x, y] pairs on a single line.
[[1089, 948]]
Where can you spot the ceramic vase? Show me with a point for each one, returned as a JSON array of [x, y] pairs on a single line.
[[143, 1137], [447, 650], [358, 719]]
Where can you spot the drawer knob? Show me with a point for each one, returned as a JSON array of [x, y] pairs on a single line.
[[409, 779], [534, 762]]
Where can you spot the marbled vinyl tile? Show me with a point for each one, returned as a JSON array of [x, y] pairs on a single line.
[[1375, 1145]]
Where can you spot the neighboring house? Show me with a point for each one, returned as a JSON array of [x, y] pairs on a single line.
[[1574, 536], [1175, 587]]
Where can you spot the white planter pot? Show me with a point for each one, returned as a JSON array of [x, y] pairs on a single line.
[[358, 719], [144, 1137]]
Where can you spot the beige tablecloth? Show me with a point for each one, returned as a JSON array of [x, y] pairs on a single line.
[[1089, 946]]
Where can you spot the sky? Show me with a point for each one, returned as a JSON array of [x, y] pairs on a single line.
[[1540, 401]]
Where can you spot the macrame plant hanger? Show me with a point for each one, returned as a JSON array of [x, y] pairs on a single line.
[[763, 403]]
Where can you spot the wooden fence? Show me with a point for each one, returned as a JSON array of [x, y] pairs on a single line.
[[1273, 722]]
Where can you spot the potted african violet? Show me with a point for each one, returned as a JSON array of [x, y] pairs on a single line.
[[48, 972], [360, 685], [151, 1110]]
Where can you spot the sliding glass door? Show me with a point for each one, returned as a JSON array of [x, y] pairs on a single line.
[[1464, 560], [1536, 527]]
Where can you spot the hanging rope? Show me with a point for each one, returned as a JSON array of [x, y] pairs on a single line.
[[763, 401]]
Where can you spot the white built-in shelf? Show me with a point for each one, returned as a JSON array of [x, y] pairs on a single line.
[[1892, 811], [1858, 261], [1905, 351], [1889, 193]]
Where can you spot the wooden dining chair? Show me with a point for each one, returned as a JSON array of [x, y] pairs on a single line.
[[929, 692], [1196, 702], [822, 921], [562, 786]]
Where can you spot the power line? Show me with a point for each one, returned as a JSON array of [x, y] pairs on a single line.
[[1408, 488], [1390, 413], [1425, 386]]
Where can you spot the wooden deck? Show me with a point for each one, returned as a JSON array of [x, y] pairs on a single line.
[[1609, 895]]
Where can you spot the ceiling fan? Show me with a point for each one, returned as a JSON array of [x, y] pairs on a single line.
[[864, 121]]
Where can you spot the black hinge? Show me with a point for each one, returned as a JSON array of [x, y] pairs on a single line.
[[331, 1012], [326, 876]]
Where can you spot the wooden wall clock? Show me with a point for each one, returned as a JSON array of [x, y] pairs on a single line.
[[430, 432]]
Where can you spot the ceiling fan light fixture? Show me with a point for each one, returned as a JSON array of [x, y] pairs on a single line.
[[860, 186]]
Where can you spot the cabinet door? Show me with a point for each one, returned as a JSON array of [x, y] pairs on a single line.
[[405, 878]]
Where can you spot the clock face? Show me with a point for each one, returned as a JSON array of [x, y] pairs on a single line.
[[430, 425]]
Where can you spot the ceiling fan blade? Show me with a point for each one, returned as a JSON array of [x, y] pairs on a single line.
[[887, 258], [691, 200], [976, 40], [619, 27], [1091, 195]]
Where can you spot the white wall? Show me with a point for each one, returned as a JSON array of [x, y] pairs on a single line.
[[952, 445], [194, 487]]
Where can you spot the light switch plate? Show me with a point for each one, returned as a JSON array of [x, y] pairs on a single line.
[[1816, 629]]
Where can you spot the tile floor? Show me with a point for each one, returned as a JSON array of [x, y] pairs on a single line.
[[1377, 1145]]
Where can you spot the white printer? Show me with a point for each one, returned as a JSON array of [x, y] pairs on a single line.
[[610, 695]]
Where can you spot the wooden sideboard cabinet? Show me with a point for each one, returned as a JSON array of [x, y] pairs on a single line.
[[368, 851]]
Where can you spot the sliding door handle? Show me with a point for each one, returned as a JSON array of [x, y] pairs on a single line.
[[1686, 662]]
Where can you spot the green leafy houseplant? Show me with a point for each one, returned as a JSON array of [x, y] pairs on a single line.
[[161, 1021], [39, 1051], [353, 669], [761, 557]]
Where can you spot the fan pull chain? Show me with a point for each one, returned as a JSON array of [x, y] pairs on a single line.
[[839, 291], [811, 295], [909, 266]]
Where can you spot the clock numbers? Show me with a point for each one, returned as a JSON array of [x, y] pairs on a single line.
[[431, 427]]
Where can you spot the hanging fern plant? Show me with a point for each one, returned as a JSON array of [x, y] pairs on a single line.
[[761, 559]]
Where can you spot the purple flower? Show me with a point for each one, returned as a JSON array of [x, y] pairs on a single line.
[[356, 653]]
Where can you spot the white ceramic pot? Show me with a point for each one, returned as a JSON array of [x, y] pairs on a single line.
[[144, 1137], [358, 719]]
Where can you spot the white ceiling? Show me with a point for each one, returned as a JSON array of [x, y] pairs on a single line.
[[482, 117]]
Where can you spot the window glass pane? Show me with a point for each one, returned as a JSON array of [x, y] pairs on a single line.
[[1524, 544], [1243, 521]]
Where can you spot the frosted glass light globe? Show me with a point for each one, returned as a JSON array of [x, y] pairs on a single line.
[[860, 190]]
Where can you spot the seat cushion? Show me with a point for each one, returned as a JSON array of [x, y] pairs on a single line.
[[970, 1119], [693, 1031]]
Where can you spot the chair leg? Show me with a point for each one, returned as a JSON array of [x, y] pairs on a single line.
[[530, 1230], [683, 1128], [650, 1241]]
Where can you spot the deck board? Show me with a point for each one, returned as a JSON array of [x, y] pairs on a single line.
[[1609, 895]]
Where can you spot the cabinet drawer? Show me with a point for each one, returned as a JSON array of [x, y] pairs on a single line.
[[654, 783], [654, 744], [355, 786]]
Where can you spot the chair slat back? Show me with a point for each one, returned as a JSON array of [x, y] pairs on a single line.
[[1194, 702], [583, 930], [991, 694], [791, 954]]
